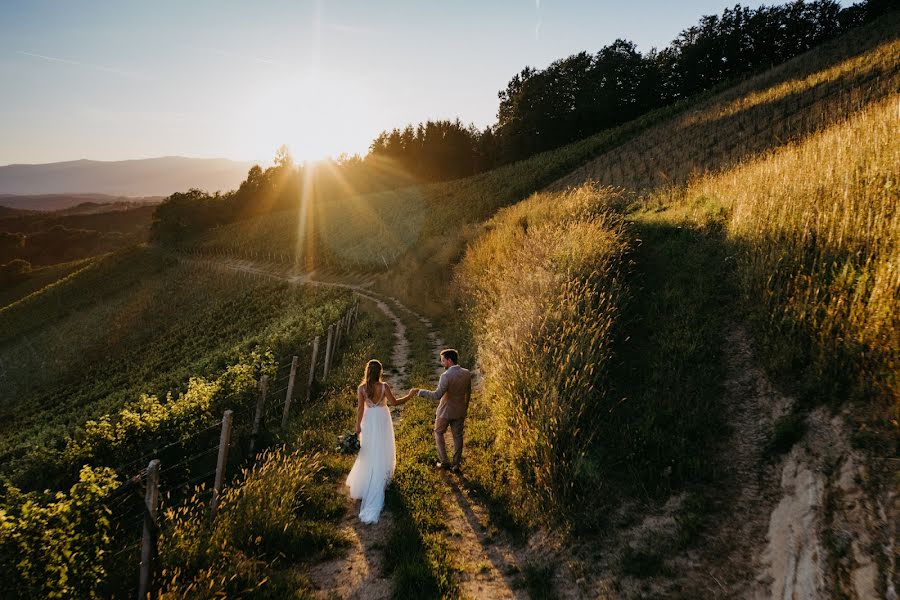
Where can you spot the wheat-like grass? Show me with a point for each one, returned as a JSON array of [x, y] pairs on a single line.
[[543, 293]]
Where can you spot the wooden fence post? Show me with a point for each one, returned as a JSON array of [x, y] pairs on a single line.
[[260, 404], [312, 369], [329, 348], [338, 331], [348, 319], [290, 391], [148, 542], [222, 461]]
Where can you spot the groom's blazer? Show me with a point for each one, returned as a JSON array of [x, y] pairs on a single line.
[[454, 390]]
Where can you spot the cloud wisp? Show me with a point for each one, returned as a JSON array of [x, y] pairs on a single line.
[[77, 63]]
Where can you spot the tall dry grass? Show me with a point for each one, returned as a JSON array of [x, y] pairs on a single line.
[[817, 230], [788, 102], [271, 516], [542, 291]]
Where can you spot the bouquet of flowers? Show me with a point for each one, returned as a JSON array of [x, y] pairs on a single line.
[[348, 443]]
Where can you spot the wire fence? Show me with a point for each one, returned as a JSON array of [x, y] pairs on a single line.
[[182, 467]]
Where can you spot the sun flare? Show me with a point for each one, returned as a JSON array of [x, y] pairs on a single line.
[[316, 115]]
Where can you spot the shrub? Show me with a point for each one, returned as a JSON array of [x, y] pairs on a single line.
[[117, 437], [53, 545], [14, 271]]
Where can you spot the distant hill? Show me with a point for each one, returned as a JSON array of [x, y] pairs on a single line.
[[93, 208], [144, 177], [6, 211], [71, 203]]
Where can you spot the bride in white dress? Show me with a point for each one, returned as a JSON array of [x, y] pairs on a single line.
[[377, 457]]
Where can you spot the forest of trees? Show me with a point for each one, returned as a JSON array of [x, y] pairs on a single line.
[[437, 150], [585, 93]]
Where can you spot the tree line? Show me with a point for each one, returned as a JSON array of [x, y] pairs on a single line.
[[280, 187]]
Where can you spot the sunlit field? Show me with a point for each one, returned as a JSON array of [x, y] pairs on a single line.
[[815, 228]]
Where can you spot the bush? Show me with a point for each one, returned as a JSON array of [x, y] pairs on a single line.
[[53, 545], [14, 271]]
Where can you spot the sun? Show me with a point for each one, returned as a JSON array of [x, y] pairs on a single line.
[[317, 116]]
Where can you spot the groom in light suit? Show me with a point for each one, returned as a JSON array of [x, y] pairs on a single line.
[[454, 391]]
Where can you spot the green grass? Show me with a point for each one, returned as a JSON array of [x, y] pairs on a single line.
[[134, 322], [418, 552], [669, 367]]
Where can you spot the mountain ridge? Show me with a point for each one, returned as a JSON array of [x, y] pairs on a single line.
[[159, 176]]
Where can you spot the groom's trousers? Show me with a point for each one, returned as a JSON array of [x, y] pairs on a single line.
[[440, 428]]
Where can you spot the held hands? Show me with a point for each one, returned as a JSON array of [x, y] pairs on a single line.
[[406, 398]]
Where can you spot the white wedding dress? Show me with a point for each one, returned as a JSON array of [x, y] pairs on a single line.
[[376, 460]]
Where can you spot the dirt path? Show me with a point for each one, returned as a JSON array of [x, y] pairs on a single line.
[[359, 573], [489, 565], [727, 563]]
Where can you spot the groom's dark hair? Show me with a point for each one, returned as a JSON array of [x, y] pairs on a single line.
[[451, 354]]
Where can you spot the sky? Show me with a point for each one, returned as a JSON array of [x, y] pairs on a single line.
[[203, 78]]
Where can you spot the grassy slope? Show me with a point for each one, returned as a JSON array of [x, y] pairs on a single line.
[[698, 241], [38, 279], [135, 322], [409, 227]]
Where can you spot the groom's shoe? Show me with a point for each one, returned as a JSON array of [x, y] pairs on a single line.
[[455, 469], [441, 465]]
